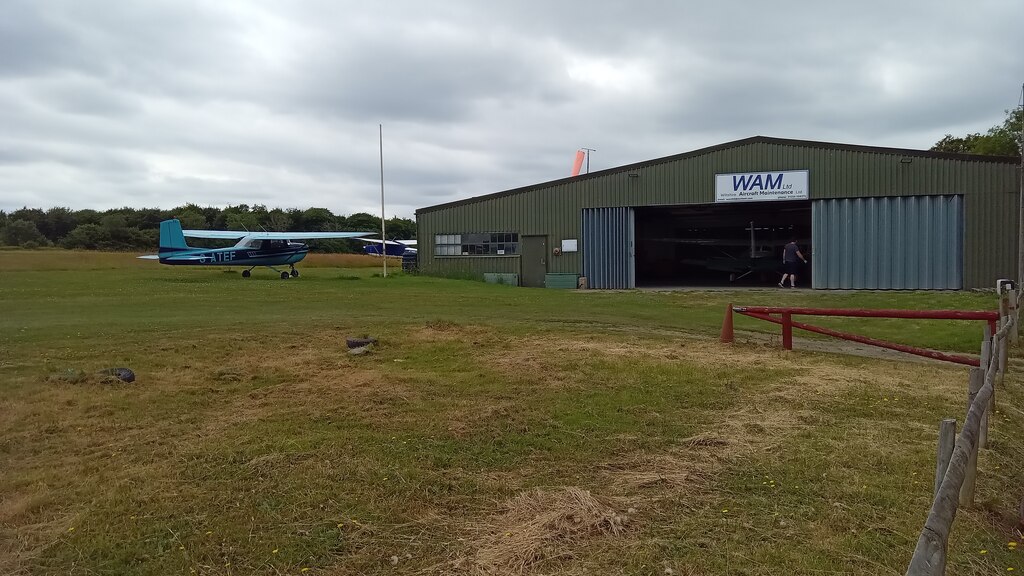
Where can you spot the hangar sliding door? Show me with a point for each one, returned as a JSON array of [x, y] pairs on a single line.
[[608, 248], [894, 242]]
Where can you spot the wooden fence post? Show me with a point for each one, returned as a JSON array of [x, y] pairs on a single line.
[[1004, 306], [1000, 358], [986, 360], [1015, 314], [930, 553], [986, 353], [976, 381], [1003, 352], [956, 475], [947, 439]]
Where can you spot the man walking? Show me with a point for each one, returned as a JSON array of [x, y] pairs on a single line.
[[791, 259]]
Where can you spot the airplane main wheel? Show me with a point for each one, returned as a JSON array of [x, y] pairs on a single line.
[[284, 275], [246, 273], [295, 273]]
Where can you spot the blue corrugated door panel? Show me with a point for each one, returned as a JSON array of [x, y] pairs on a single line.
[[608, 247], [888, 243]]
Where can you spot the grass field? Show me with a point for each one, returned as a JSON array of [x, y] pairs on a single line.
[[494, 430]]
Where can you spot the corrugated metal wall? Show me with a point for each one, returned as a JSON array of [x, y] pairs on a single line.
[[895, 242], [989, 191], [608, 236]]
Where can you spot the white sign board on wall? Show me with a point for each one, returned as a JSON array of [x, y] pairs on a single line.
[[761, 186]]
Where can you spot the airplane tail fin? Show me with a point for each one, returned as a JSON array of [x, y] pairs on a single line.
[[171, 237]]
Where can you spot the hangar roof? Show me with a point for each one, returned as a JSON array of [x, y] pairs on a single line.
[[904, 152]]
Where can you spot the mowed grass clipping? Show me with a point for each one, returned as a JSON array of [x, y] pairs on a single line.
[[494, 430]]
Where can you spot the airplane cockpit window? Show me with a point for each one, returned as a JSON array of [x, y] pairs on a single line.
[[253, 244]]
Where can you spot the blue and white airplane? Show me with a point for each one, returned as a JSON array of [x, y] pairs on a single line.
[[253, 249], [391, 247]]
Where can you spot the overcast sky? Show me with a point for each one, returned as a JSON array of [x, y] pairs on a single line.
[[158, 103]]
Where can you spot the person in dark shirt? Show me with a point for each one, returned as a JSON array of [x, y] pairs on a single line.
[[791, 259]]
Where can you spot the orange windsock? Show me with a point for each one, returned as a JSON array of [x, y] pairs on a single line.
[[578, 163]]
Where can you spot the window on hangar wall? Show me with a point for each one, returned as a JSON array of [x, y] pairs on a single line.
[[477, 244]]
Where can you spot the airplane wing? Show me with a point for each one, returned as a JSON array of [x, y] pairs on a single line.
[[389, 242], [234, 234], [176, 258]]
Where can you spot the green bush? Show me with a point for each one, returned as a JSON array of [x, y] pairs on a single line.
[[21, 232]]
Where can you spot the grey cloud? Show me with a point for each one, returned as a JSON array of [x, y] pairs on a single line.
[[33, 41], [85, 96], [162, 102], [407, 77]]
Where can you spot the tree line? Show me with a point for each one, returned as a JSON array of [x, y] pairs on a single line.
[[139, 228], [1000, 140]]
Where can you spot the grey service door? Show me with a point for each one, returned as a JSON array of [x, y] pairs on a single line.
[[534, 260]]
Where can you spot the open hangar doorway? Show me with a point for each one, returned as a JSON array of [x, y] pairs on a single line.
[[728, 244]]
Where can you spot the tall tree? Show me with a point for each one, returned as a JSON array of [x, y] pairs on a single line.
[[58, 222], [1000, 140], [278, 221], [241, 221], [317, 219], [145, 218], [33, 215], [297, 220], [87, 216], [23, 233], [401, 228], [191, 219], [86, 236], [361, 221]]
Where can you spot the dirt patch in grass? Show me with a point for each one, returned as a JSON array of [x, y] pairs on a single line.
[[540, 527], [26, 529], [645, 475], [22, 504], [447, 331], [465, 419], [323, 392]]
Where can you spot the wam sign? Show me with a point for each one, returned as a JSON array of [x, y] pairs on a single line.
[[761, 186]]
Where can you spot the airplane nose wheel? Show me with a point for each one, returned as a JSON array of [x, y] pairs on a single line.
[[295, 273]]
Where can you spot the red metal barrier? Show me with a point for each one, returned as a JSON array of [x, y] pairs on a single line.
[[785, 318], [864, 313]]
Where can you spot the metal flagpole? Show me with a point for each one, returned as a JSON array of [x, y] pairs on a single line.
[[1020, 200], [383, 237], [589, 150]]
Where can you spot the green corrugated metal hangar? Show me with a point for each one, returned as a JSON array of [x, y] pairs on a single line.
[[865, 217]]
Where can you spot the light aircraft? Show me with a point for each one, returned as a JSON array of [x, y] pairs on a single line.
[[739, 258], [391, 247], [253, 249]]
